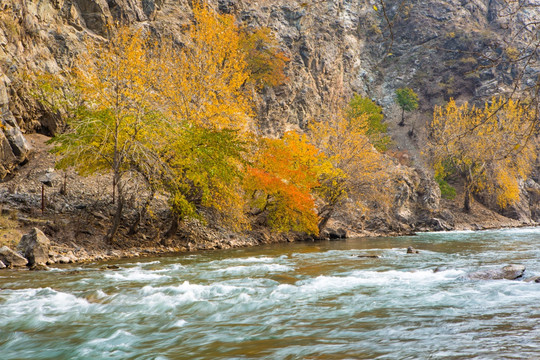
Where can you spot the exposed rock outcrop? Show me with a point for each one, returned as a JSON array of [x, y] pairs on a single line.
[[336, 48]]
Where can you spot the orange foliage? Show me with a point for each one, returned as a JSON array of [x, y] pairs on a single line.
[[285, 174]]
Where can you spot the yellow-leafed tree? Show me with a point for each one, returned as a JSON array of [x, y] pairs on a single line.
[[489, 147], [358, 171], [111, 129]]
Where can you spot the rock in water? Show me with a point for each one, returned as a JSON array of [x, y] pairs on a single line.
[[509, 272], [2, 265], [10, 258], [35, 247], [411, 250], [534, 279]]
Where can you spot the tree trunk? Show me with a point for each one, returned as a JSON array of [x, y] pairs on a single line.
[[116, 220], [467, 200], [140, 215], [325, 218], [402, 122], [174, 227]]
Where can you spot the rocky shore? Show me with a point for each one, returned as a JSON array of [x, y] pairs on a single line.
[[77, 211]]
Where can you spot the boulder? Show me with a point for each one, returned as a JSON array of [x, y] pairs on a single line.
[[509, 272], [64, 260], [534, 279], [35, 246], [10, 258], [39, 267], [334, 234], [411, 250], [2, 265]]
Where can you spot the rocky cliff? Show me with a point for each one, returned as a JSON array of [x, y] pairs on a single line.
[[439, 48]]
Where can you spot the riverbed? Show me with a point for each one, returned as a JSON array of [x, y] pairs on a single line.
[[323, 300]]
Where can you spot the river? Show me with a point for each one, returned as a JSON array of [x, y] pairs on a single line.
[[287, 301]]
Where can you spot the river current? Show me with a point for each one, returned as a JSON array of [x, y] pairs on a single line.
[[287, 301]]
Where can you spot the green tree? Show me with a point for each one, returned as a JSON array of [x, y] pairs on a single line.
[[407, 100], [360, 106]]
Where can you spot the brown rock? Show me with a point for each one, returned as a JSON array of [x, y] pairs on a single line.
[[11, 259], [35, 246], [411, 250], [509, 272]]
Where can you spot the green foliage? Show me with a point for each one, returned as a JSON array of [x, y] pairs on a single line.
[[447, 190], [207, 167], [360, 106], [407, 99]]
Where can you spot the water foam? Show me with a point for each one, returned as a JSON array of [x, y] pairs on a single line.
[[135, 275]]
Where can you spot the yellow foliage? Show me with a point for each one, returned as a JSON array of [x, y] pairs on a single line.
[[356, 169], [203, 82], [489, 147]]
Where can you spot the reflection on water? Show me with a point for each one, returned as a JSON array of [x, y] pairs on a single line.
[[289, 301]]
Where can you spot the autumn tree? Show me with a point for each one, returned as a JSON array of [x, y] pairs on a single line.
[[282, 180], [265, 61], [202, 83], [110, 132], [202, 93], [178, 117], [488, 147], [407, 100], [358, 171]]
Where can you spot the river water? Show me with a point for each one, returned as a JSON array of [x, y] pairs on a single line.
[[288, 301]]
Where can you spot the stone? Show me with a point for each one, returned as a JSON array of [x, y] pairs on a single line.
[[411, 250], [35, 246], [11, 259], [39, 267], [63, 260], [509, 272], [336, 234], [534, 279], [369, 256], [2, 265]]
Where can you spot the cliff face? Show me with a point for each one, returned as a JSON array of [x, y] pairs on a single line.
[[336, 47]]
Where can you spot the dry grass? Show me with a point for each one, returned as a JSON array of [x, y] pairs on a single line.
[[10, 234]]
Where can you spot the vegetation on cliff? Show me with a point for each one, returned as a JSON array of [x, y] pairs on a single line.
[[179, 122]]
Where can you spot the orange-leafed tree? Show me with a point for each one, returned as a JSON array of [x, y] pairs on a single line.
[[281, 181]]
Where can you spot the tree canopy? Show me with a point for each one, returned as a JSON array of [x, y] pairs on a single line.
[[407, 100], [489, 147]]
